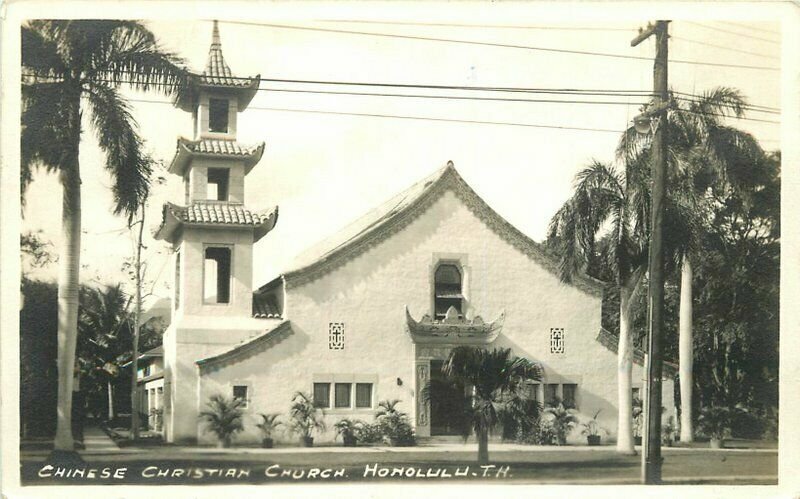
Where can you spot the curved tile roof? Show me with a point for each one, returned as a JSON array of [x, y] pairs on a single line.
[[210, 213], [186, 148]]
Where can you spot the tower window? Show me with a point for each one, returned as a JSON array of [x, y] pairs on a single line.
[[217, 185], [447, 290], [217, 285], [218, 115]]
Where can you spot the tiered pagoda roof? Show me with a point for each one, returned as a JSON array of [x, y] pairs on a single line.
[[214, 214], [218, 74], [186, 149]]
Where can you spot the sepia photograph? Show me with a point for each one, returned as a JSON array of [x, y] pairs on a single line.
[[371, 246]]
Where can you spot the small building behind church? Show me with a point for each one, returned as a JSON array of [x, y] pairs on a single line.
[[368, 314]]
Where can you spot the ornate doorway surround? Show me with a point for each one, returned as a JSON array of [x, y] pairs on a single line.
[[433, 340]]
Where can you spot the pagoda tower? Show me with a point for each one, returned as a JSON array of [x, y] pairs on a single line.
[[212, 235]]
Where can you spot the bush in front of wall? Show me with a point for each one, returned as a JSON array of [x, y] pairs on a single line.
[[223, 418], [305, 418], [369, 433], [395, 426]]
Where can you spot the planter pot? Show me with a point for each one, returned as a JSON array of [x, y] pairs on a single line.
[[308, 441], [267, 443], [637, 440], [667, 442], [593, 439], [349, 441], [717, 443]]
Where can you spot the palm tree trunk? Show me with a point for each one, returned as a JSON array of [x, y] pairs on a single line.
[[685, 347], [110, 400], [624, 373], [68, 286], [483, 446]]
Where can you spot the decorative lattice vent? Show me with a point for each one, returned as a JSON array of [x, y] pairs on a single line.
[[557, 340], [336, 336]]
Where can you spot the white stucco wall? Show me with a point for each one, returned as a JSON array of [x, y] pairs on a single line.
[[369, 293]]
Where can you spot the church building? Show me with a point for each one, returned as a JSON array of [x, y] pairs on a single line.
[[368, 314]]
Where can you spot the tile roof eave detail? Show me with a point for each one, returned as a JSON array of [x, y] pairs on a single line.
[[184, 154], [245, 87], [449, 179], [250, 347]]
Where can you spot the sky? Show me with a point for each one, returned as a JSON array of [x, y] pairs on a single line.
[[324, 170]]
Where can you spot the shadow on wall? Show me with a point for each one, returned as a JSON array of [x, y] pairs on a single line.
[[588, 402]]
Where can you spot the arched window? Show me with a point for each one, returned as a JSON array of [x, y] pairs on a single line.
[[447, 290]]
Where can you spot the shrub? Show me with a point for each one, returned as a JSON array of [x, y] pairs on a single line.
[[715, 421], [268, 424], [539, 433], [223, 418], [562, 420], [305, 416], [369, 433], [394, 425]]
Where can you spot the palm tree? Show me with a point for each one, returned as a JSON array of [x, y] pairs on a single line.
[[704, 155], [579, 231], [223, 418], [68, 65], [498, 380]]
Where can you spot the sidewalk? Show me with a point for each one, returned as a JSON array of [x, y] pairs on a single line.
[[97, 441]]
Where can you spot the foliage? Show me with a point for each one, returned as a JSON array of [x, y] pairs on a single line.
[[592, 427], [638, 416], [562, 420], [396, 428], [499, 380], [305, 418], [223, 417], [386, 407], [269, 423], [38, 322], [72, 66], [347, 427], [668, 430], [369, 433], [540, 432], [715, 421]]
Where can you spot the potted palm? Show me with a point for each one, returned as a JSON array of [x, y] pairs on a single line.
[[638, 420], [562, 420], [714, 421], [305, 418], [348, 428], [592, 430], [668, 432], [223, 418], [268, 424]]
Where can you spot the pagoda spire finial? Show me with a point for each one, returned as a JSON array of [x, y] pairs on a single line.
[[215, 35]]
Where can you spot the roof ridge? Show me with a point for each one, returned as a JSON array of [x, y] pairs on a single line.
[[387, 220]]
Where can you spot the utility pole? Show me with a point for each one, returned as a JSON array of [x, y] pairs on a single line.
[[651, 470], [135, 423]]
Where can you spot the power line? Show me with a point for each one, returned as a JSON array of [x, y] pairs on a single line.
[[467, 25], [745, 26], [452, 97], [502, 45], [556, 91], [714, 28], [421, 118], [722, 47], [753, 107]]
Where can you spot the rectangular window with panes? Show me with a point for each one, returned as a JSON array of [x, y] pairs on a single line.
[[570, 395], [322, 395], [363, 395], [240, 393], [342, 399]]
